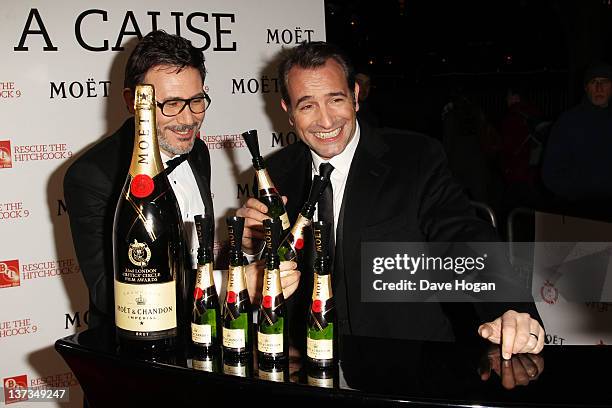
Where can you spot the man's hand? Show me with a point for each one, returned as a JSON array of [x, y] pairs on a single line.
[[516, 332], [290, 279], [254, 212], [519, 370]]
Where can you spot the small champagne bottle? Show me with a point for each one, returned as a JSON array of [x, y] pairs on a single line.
[[320, 341], [267, 191], [206, 315], [272, 340], [237, 316], [294, 241]]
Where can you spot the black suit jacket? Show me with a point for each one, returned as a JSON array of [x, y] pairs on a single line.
[[92, 186], [399, 189]]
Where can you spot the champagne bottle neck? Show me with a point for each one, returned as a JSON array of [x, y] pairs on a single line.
[[322, 266], [146, 158], [204, 256], [259, 163]]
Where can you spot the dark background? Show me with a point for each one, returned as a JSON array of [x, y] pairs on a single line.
[[418, 51]]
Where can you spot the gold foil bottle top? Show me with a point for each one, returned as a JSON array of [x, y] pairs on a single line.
[[145, 97], [146, 159]]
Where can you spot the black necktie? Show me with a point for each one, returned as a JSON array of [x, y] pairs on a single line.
[[175, 162], [326, 204]]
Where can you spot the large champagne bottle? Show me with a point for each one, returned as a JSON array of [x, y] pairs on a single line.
[[267, 191], [320, 342], [150, 285], [237, 316], [206, 315], [272, 340], [294, 241]]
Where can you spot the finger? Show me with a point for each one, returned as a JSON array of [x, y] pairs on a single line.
[[534, 337], [287, 266], [288, 291], [491, 331], [252, 213], [538, 361], [285, 199], [522, 336], [541, 340], [508, 334], [255, 204], [290, 279], [507, 375], [520, 374], [531, 369]]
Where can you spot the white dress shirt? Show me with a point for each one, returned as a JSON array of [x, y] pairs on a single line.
[[342, 165], [187, 193]]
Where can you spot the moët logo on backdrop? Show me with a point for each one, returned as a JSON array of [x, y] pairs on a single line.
[[12, 384], [9, 274], [6, 162]]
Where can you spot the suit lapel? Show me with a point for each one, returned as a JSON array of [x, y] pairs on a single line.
[[366, 177], [198, 167]]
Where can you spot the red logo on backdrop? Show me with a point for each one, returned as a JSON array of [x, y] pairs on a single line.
[[13, 384], [9, 273], [549, 293], [5, 154]]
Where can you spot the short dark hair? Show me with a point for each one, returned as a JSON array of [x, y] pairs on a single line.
[[161, 48], [313, 55]]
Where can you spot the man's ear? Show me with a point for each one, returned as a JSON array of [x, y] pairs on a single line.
[[356, 96], [128, 97], [286, 109]]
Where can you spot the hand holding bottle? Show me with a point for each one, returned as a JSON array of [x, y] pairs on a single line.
[[290, 278], [254, 212]]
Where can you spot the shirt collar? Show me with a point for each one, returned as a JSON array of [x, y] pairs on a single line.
[[341, 162]]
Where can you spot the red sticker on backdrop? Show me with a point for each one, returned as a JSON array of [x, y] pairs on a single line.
[[198, 293], [299, 243], [142, 185], [231, 297], [267, 302], [316, 306]]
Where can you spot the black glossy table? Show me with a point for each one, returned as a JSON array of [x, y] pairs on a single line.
[[371, 372]]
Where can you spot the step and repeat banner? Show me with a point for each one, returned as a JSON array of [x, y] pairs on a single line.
[[60, 92]]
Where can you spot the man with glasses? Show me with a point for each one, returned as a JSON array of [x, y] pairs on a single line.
[[93, 182], [576, 162]]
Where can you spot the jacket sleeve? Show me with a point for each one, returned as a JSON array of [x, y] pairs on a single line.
[[87, 193], [446, 215]]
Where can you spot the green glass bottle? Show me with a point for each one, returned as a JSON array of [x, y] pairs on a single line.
[[272, 340], [267, 191], [320, 340], [237, 316], [206, 314], [294, 241]]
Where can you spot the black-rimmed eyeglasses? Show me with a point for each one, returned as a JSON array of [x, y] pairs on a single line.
[[173, 107]]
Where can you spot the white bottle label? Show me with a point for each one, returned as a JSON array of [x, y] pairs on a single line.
[[240, 371], [201, 333], [277, 376], [285, 221], [233, 338], [321, 382], [270, 343], [145, 308], [320, 349], [203, 365]]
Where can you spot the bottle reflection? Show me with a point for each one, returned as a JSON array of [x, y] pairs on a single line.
[[205, 360], [273, 371], [238, 365], [326, 377]]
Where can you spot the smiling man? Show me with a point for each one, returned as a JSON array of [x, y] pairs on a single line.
[[94, 181], [386, 188]]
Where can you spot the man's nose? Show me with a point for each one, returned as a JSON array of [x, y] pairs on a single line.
[[325, 118]]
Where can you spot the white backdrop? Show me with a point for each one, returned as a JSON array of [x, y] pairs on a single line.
[[60, 92]]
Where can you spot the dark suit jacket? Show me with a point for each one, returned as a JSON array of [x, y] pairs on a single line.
[[92, 186], [398, 189]]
